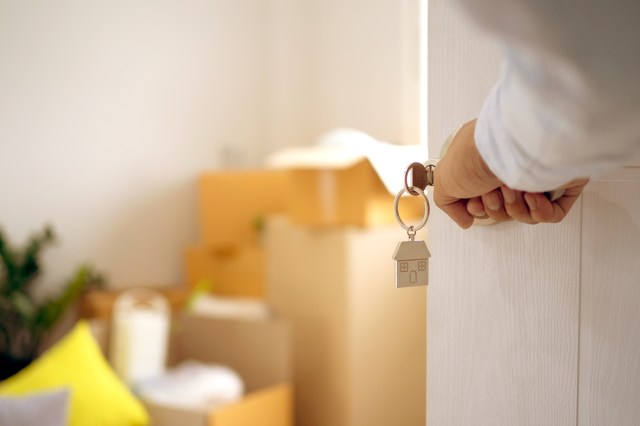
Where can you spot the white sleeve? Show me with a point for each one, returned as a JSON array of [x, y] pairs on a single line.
[[557, 113]]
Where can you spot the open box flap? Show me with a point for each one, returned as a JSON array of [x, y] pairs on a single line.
[[343, 148]]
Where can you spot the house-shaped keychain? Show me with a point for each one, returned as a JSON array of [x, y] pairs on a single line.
[[412, 264]]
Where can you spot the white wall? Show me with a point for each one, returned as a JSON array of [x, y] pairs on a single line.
[[354, 63], [109, 110]]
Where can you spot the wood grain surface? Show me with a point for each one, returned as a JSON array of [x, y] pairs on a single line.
[[609, 392], [503, 300]]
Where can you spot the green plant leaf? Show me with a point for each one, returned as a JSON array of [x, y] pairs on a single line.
[[30, 264], [10, 264], [21, 267], [23, 305], [52, 309], [22, 321]]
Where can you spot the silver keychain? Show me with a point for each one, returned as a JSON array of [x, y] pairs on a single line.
[[412, 257]]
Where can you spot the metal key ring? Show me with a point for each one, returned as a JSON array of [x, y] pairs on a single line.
[[427, 210]]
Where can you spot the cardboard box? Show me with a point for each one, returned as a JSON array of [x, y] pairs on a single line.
[[348, 196], [359, 343], [237, 272], [271, 406], [234, 204], [258, 350]]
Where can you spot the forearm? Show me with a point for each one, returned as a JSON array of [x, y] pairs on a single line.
[[560, 111], [536, 141]]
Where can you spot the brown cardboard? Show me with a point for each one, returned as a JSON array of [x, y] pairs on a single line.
[[233, 203], [236, 272], [272, 406], [259, 351], [351, 196], [162, 415], [359, 343]]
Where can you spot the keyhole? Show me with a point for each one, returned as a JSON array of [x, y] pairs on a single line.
[[413, 277]]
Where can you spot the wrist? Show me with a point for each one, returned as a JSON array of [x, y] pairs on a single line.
[[466, 173]]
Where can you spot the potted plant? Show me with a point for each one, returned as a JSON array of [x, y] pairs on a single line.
[[24, 320]]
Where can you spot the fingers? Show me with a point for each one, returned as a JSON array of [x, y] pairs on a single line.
[[505, 204], [531, 208], [475, 207], [543, 210], [516, 206], [571, 194], [494, 206], [490, 205]]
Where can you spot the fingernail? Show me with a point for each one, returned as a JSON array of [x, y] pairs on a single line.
[[508, 194], [477, 211], [493, 202], [531, 201]]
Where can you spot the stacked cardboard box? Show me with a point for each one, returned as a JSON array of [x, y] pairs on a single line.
[[234, 204], [233, 210], [343, 196], [230, 259], [234, 272], [325, 266], [359, 343]]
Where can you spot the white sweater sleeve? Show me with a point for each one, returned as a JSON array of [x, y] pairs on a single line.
[[567, 104]]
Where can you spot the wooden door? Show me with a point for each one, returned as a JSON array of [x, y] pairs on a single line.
[[527, 325], [609, 351]]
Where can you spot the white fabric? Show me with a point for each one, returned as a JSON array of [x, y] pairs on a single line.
[[195, 385], [567, 104], [230, 307]]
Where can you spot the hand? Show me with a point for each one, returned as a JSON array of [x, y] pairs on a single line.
[[505, 204], [465, 188]]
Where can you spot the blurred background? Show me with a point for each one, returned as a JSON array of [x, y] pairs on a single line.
[[140, 131], [109, 111]]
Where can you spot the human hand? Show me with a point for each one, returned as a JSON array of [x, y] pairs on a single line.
[[465, 189], [505, 204]]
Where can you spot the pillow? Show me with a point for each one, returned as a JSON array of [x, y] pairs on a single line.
[[41, 409], [98, 397]]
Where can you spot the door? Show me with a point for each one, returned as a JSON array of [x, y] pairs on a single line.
[[527, 325]]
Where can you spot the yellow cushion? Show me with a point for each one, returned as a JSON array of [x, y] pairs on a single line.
[[98, 397]]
